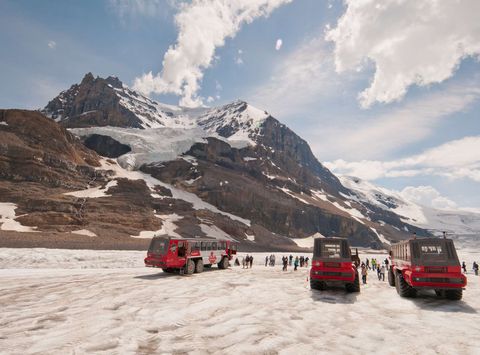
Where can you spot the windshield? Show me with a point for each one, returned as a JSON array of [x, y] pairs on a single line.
[[434, 250], [331, 249], [158, 246]]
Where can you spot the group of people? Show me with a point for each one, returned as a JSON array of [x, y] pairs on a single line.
[[474, 267], [375, 266], [288, 261], [247, 262]]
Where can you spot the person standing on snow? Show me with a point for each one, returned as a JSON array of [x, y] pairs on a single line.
[[251, 261], [306, 261], [243, 262], [364, 274], [285, 263], [247, 261], [464, 267], [266, 261], [475, 268], [367, 264], [290, 259], [382, 272], [296, 263]]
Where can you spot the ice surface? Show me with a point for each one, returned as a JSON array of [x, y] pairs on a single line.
[[148, 145], [106, 302]]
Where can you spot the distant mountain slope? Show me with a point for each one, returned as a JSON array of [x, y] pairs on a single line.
[[437, 221], [232, 171]]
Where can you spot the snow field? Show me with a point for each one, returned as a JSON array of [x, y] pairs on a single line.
[[117, 306]]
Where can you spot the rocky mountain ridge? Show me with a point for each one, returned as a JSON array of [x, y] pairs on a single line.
[[232, 171]]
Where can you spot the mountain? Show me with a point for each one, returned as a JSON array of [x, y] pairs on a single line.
[[229, 171], [459, 224]]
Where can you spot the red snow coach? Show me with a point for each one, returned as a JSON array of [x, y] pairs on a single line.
[[426, 263], [332, 265], [189, 255]]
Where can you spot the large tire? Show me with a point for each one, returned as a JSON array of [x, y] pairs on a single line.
[[189, 268], [199, 266], [403, 288], [454, 295], [391, 277], [223, 264], [318, 285], [355, 286]]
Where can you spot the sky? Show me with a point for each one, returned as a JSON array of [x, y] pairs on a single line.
[[388, 91]]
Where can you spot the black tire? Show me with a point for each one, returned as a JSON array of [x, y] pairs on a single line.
[[454, 295], [318, 285], [198, 266], [189, 268], [355, 286], [403, 288], [391, 277], [223, 264]]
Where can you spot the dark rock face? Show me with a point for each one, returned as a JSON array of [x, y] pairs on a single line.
[[106, 146], [93, 102], [34, 148], [233, 185]]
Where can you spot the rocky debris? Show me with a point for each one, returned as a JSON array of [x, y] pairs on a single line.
[[105, 145]]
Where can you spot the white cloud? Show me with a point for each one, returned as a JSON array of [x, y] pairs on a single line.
[[300, 80], [458, 159], [416, 42], [52, 44], [427, 196], [278, 44], [396, 128], [203, 26]]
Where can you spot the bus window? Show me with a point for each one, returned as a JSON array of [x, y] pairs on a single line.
[[204, 245], [214, 245], [209, 246]]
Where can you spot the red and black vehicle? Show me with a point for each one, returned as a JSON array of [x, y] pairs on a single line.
[[332, 264], [426, 263], [189, 255]]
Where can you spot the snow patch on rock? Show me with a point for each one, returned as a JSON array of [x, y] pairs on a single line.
[[7, 219]]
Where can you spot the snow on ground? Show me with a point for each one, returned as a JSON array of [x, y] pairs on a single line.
[[7, 219], [214, 232], [168, 227], [93, 192], [84, 232], [380, 236], [308, 241], [117, 306], [196, 201]]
